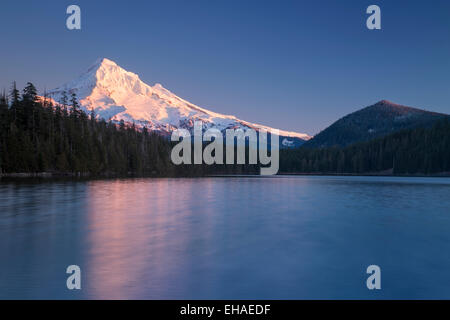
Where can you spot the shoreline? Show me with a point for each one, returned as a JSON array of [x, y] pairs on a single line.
[[79, 175], [369, 174]]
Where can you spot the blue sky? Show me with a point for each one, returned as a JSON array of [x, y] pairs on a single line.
[[294, 65]]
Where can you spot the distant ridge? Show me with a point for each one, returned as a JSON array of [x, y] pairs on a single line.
[[380, 119]]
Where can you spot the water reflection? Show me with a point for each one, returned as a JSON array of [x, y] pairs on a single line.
[[226, 238], [139, 231]]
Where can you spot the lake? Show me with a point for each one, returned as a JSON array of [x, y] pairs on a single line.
[[282, 237]]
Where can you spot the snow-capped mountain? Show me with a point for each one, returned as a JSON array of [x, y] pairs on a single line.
[[116, 94]]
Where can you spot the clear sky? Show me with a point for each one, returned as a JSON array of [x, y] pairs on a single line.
[[293, 65]]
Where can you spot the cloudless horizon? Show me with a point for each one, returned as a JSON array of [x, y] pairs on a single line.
[[292, 65]]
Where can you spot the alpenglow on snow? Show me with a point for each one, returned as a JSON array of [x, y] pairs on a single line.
[[116, 94]]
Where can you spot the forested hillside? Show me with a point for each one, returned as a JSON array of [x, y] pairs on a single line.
[[411, 151], [373, 122], [38, 137]]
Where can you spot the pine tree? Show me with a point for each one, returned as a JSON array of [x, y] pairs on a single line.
[[92, 115], [15, 95], [3, 126], [75, 105], [29, 93], [3, 101], [64, 100], [15, 102], [29, 99]]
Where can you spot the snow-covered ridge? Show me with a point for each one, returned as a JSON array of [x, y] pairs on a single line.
[[116, 94]]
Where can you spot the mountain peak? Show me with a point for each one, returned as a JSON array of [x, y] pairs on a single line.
[[388, 103], [104, 68], [104, 82], [117, 94], [107, 61], [103, 62]]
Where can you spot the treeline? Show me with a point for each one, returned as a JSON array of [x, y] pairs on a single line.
[[412, 151], [37, 136]]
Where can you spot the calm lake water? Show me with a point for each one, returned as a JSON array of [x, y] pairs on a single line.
[[226, 238]]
